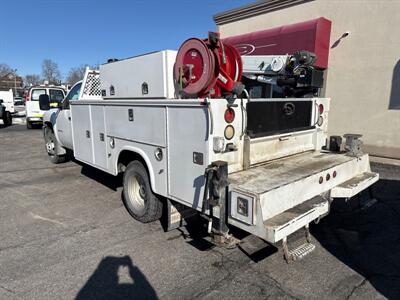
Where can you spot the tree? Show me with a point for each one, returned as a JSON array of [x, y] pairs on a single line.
[[50, 72], [76, 74], [5, 69], [32, 79]]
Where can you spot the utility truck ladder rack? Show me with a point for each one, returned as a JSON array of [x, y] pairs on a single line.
[[91, 89]]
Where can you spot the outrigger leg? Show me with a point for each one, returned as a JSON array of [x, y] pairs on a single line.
[[217, 189]]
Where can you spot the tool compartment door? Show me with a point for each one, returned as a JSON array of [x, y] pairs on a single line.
[[187, 153], [99, 136], [82, 133]]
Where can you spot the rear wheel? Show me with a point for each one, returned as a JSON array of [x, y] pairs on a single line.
[[51, 146], [28, 124], [7, 119], [138, 197]]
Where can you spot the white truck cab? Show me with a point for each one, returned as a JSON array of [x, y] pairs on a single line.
[[57, 124], [6, 107]]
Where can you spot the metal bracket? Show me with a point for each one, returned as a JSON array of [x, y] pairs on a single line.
[[353, 144], [246, 152]]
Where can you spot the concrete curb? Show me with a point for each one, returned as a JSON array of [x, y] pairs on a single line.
[[385, 160]]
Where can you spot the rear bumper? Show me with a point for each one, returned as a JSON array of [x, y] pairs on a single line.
[[34, 119], [288, 194]]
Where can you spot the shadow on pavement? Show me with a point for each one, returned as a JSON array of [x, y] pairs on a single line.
[[108, 180], [117, 278], [365, 235]]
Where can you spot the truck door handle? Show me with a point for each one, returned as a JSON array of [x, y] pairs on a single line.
[[130, 114], [88, 134], [69, 118]]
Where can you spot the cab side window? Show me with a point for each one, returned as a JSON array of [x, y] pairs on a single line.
[[56, 95], [36, 94], [72, 95]]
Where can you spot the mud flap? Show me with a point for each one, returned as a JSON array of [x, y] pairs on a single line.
[[177, 215]]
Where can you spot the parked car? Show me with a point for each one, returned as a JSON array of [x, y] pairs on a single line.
[[33, 112], [19, 105], [19, 101]]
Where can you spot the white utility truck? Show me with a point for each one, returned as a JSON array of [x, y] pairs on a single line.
[[6, 107], [185, 133]]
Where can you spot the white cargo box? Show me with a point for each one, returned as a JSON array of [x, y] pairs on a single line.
[[144, 76]]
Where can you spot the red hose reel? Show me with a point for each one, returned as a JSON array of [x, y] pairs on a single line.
[[208, 68]]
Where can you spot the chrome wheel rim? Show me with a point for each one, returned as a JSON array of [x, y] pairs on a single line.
[[50, 147], [136, 192]]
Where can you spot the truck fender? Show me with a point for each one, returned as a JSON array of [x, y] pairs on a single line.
[[145, 159], [50, 116]]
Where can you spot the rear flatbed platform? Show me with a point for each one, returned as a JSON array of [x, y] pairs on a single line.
[[265, 177]]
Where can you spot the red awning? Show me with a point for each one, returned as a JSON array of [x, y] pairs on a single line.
[[313, 36]]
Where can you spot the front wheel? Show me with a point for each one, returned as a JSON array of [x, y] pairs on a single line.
[[138, 197], [51, 147], [7, 119]]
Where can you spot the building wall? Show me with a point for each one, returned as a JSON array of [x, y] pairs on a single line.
[[363, 79]]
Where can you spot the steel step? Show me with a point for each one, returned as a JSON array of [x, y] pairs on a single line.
[[354, 185], [301, 251], [297, 217]]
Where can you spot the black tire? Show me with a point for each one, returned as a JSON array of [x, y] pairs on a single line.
[[138, 197], [28, 125], [7, 119], [51, 146]]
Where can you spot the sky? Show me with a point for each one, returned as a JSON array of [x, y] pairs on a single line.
[[76, 32]]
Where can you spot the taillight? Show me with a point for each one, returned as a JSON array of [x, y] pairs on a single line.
[[320, 109], [26, 95], [229, 115]]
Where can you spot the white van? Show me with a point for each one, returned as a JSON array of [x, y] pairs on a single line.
[[33, 112]]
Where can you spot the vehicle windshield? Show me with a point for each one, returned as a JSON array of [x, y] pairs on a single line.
[[74, 92]]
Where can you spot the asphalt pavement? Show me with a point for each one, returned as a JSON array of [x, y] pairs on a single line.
[[65, 234]]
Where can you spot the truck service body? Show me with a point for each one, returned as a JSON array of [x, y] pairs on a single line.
[[259, 164]]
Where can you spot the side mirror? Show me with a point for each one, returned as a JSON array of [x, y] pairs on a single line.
[[44, 102]]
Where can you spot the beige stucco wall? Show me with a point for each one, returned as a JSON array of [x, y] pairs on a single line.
[[361, 67]]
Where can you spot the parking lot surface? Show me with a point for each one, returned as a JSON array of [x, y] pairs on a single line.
[[65, 234]]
